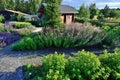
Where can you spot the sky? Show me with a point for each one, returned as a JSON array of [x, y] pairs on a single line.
[[99, 3]]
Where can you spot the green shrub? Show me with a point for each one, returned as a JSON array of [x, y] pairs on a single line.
[[103, 23], [2, 19], [26, 43], [80, 20], [19, 25], [54, 66], [111, 62], [1, 25], [37, 23], [32, 72], [85, 66], [106, 28], [5, 29], [20, 17], [112, 37], [72, 36], [24, 32], [97, 23]]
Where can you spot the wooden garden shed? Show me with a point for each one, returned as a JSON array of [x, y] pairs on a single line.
[[67, 13]]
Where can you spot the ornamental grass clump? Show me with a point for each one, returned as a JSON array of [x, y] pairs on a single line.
[[69, 37]]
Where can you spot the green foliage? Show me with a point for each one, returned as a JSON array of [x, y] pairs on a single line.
[[106, 28], [1, 24], [84, 13], [85, 66], [32, 71], [69, 37], [106, 11], [2, 19], [20, 17], [111, 62], [52, 13], [100, 23], [93, 10], [80, 20], [115, 13], [96, 23], [29, 6], [19, 25], [24, 32], [37, 23], [54, 66], [112, 36], [5, 29], [100, 16], [26, 43]]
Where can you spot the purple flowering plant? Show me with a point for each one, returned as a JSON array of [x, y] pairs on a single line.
[[8, 38]]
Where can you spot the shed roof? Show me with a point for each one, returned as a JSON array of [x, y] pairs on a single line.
[[64, 8], [67, 9]]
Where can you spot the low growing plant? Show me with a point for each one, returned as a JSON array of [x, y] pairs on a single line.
[[19, 25]]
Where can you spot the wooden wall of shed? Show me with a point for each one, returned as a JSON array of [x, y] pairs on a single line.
[[67, 18]]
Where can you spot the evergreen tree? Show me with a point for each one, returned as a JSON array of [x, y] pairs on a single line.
[[106, 11], [52, 13], [93, 11], [84, 13]]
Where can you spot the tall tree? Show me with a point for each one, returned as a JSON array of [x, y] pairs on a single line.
[[52, 13], [27, 6], [33, 6], [106, 11], [84, 12], [93, 10], [115, 13]]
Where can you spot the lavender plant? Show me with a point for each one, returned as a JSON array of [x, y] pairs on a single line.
[[7, 38], [72, 36]]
